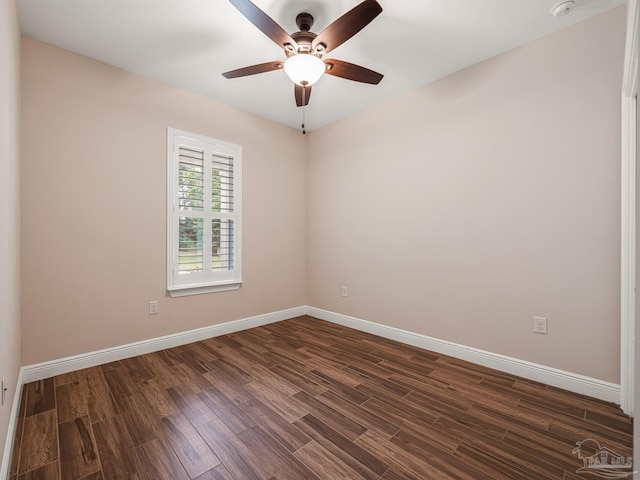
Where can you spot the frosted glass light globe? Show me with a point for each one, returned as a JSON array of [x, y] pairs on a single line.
[[304, 69]]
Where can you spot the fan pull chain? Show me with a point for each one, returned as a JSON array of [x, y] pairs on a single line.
[[304, 132], [304, 108]]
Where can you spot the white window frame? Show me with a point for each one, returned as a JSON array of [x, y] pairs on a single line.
[[205, 281]]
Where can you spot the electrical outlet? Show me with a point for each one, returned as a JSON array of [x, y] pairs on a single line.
[[540, 325], [4, 391], [154, 306], [343, 291]]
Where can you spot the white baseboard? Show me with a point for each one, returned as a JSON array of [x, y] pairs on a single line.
[[40, 371], [573, 382], [11, 429], [551, 376]]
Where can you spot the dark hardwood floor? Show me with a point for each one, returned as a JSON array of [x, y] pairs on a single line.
[[305, 399]]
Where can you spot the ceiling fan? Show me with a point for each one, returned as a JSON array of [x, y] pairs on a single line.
[[304, 49]]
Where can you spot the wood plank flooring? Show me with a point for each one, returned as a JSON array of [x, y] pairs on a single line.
[[304, 399]]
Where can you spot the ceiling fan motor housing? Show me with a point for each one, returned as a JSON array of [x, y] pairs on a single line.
[[303, 41], [304, 37]]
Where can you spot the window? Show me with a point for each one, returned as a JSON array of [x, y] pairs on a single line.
[[203, 214]]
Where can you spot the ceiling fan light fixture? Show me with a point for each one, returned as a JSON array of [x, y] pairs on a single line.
[[304, 69]]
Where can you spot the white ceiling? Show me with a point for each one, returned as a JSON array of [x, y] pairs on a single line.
[[189, 43]]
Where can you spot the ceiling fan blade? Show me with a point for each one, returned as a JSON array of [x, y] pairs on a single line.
[[350, 71], [347, 25], [253, 69], [302, 94], [264, 22]]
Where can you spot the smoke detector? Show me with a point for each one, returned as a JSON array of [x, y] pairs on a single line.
[[563, 8]]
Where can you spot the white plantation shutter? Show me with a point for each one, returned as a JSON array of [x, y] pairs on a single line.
[[222, 202], [203, 220], [190, 199]]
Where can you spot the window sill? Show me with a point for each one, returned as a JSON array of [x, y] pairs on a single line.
[[200, 289]]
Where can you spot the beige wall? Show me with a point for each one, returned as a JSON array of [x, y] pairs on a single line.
[[464, 208], [459, 210], [9, 207], [94, 207]]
